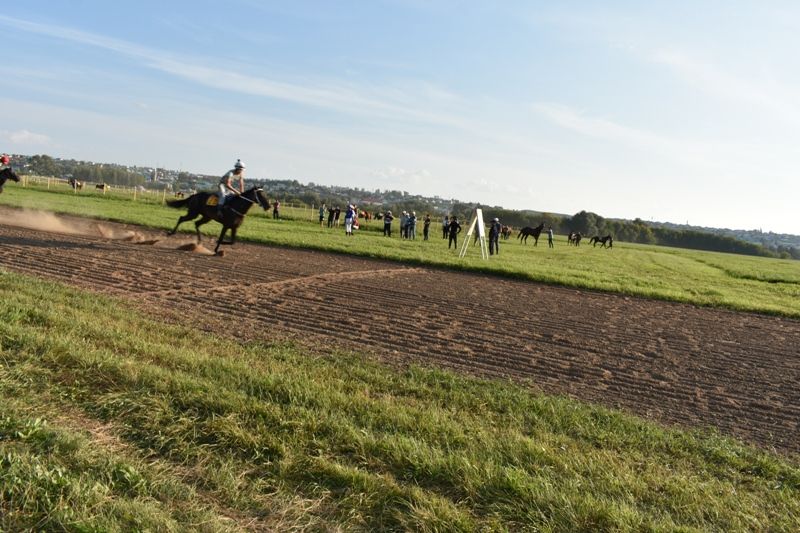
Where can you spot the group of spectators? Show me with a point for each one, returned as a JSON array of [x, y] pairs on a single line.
[[335, 213]]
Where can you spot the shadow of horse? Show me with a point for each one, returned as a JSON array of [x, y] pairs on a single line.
[[528, 231], [7, 174], [606, 242], [233, 212]]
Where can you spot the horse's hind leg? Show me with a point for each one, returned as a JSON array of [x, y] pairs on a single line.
[[199, 223], [181, 220]]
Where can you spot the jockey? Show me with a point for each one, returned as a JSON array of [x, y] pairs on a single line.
[[226, 187]]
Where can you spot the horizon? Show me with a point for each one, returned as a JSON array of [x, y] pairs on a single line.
[[666, 112]]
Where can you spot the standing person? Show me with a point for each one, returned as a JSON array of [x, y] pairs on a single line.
[[348, 220], [330, 217], [494, 236], [426, 226], [226, 187], [445, 223], [403, 222], [454, 228], [321, 215], [550, 237], [336, 213], [387, 224], [276, 209], [411, 232]]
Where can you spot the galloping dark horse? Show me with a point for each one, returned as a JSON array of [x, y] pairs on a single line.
[[5, 175], [233, 214], [606, 241], [528, 231]]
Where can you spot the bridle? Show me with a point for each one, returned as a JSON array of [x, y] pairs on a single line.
[[256, 201]]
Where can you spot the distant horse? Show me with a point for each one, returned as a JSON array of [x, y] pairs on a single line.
[[75, 184], [574, 237], [366, 215], [606, 242], [7, 174], [233, 213], [505, 232], [528, 231], [102, 186], [179, 194]]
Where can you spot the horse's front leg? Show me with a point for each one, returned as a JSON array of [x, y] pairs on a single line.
[[221, 236]]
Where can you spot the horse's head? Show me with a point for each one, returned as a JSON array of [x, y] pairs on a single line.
[[9, 174], [261, 198]]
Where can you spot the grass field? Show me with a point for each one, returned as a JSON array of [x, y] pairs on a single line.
[[115, 421], [704, 278]]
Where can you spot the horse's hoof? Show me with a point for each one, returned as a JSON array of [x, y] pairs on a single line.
[[220, 253]]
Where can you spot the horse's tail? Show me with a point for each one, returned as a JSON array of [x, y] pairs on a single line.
[[178, 203]]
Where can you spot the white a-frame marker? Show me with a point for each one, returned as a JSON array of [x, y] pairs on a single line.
[[476, 220]]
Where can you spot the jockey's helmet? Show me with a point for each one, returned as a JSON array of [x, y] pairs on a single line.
[[239, 164], [4, 159]]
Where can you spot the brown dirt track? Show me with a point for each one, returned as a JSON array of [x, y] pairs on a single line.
[[738, 372]]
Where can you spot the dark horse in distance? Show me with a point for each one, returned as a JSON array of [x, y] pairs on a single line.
[[232, 216], [528, 231], [7, 174], [606, 242]]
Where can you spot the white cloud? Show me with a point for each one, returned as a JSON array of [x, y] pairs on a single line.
[[759, 89], [25, 137]]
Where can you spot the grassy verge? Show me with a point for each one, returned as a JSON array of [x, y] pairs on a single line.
[[703, 278], [114, 421]]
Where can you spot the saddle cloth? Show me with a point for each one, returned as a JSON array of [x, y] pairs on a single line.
[[212, 200]]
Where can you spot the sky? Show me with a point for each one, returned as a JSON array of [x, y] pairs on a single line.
[[687, 112]]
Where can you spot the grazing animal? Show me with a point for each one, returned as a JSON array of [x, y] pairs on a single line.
[[102, 186], [574, 238], [7, 174], [75, 184], [179, 194], [528, 231], [232, 216], [606, 242], [366, 215], [505, 231]]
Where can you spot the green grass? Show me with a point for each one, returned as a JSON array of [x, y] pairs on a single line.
[[114, 421], [703, 278]]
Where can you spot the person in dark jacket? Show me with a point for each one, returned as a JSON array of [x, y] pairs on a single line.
[[426, 227], [494, 236], [387, 224], [454, 228]]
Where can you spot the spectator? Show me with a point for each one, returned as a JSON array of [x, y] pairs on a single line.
[[411, 225], [426, 226], [336, 212], [349, 216], [454, 228], [550, 237], [494, 236], [276, 209], [387, 224], [321, 215], [445, 223], [403, 224], [330, 217]]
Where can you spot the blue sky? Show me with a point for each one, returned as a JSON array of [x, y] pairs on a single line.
[[678, 111]]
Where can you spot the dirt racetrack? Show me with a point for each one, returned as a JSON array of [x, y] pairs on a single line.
[[738, 372]]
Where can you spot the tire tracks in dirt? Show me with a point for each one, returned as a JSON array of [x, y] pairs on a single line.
[[737, 372]]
